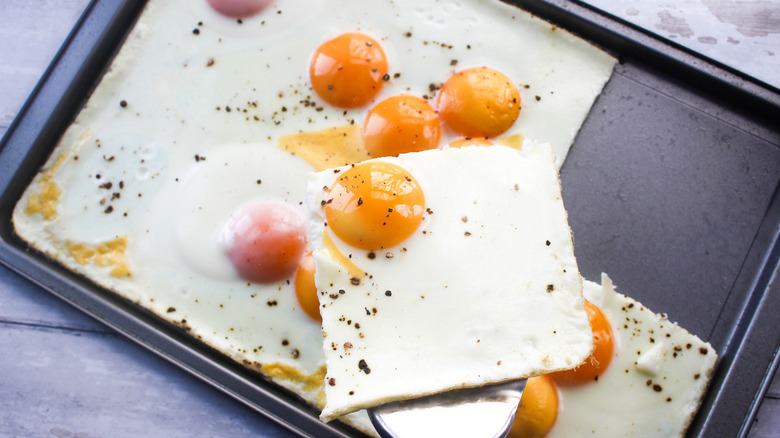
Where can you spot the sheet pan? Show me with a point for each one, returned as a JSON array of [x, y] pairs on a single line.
[[671, 188]]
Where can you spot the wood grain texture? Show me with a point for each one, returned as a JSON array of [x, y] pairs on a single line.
[[31, 32], [63, 374]]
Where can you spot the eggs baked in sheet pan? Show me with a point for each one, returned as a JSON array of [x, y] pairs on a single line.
[[204, 122]]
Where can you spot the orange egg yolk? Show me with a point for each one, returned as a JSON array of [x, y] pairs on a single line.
[[348, 71], [374, 205], [469, 141], [401, 124], [599, 360], [239, 8], [537, 411], [305, 290], [479, 102], [266, 241]]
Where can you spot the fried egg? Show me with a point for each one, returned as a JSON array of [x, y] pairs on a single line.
[[647, 377], [443, 269], [180, 185]]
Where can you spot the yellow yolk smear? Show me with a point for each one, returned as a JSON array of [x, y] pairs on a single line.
[[305, 290], [401, 124], [348, 71], [111, 253], [45, 200], [343, 260], [513, 141], [374, 205], [469, 141], [479, 102], [537, 411], [599, 360], [332, 147]]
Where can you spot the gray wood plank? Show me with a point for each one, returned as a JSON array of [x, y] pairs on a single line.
[[767, 422], [31, 32], [22, 302], [68, 383]]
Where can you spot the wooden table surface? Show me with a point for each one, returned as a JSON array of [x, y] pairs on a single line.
[[62, 374]]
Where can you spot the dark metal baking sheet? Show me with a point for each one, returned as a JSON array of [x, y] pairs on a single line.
[[671, 188]]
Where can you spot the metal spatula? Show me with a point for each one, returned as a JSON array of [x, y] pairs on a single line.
[[485, 412]]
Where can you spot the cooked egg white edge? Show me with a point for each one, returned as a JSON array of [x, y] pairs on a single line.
[[464, 310], [649, 350]]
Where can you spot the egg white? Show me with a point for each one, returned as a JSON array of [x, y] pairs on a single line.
[[485, 290]]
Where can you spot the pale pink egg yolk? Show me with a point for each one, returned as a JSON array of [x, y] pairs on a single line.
[[266, 241], [239, 8]]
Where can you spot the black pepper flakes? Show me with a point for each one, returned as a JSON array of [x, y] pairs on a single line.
[[550, 287], [123, 103], [332, 381], [355, 281], [703, 350], [171, 310], [388, 293], [196, 31], [548, 243], [657, 388], [363, 366]]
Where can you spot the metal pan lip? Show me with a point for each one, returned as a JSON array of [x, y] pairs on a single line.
[[85, 55]]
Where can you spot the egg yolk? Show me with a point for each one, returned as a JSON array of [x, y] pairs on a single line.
[[479, 102], [305, 290], [374, 205], [537, 411], [266, 241], [469, 141], [239, 8], [401, 124], [348, 71], [599, 360]]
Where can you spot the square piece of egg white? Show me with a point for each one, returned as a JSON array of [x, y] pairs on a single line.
[[443, 269], [650, 384]]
